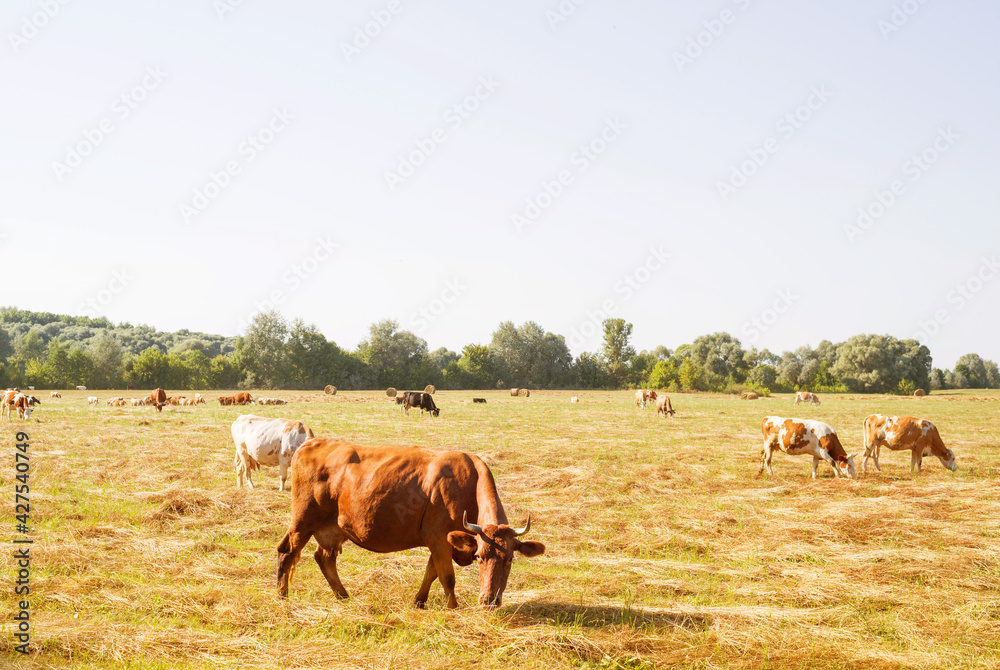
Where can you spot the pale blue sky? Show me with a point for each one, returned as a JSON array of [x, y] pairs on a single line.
[[443, 239]]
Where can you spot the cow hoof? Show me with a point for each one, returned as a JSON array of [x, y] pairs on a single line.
[[420, 604]]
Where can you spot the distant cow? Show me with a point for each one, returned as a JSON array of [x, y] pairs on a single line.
[[806, 396], [261, 441], [118, 402], [643, 396], [54, 394], [574, 399], [481, 401], [422, 400], [804, 436], [226, 400], [158, 398], [386, 499], [199, 399], [92, 400], [663, 406], [112, 401], [900, 433], [135, 402], [81, 388], [242, 398]]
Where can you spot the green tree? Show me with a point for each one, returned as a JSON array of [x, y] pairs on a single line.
[[663, 374], [396, 357], [223, 373], [877, 364], [528, 356], [109, 363], [58, 371], [81, 368], [616, 351], [261, 351], [313, 361], [691, 376], [719, 354], [973, 368], [151, 369]]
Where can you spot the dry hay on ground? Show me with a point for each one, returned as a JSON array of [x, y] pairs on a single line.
[[919, 393], [391, 392], [330, 390], [430, 389], [513, 392], [523, 393], [749, 396]]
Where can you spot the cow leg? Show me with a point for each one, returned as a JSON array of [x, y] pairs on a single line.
[[815, 464], [765, 459], [915, 459], [289, 550], [330, 541], [282, 474], [441, 556], [425, 587]]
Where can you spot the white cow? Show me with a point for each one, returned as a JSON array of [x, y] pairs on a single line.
[[81, 388], [803, 436], [92, 400], [806, 396], [261, 441]]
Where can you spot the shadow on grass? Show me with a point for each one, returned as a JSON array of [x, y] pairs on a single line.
[[603, 615]]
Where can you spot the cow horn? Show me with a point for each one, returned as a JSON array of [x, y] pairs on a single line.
[[471, 527], [521, 531]]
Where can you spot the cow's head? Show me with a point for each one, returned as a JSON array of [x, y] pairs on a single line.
[[493, 547], [945, 455], [848, 465], [435, 412]]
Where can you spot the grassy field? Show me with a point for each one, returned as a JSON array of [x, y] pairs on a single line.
[[664, 547]]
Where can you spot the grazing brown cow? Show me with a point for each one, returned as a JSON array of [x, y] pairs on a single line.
[[643, 396], [804, 436], [226, 400], [899, 433], [242, 398], [158, 398], [396, 498], [13, 399], [663, 406], [54, 394]]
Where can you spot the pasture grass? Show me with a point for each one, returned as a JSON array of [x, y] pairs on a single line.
[[664, 547]]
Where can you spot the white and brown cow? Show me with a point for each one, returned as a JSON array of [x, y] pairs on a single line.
[[804, 436], [92, 400], [901, 433], [806, 396], [199, 399], [261, 441], [12, 400], [663, 406], [54, 394], [643, 396]]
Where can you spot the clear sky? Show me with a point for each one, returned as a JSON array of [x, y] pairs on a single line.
[[825, 169]]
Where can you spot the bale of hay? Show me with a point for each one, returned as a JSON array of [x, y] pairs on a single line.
[[391, 392], [513, 392], [523, 393], [330, 390], [430, 389], [752, 396], [919, 393]]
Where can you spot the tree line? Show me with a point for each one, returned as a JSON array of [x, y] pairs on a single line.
[[58, 351]]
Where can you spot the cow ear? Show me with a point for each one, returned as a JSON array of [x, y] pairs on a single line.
[[463, 547], [531, 549]]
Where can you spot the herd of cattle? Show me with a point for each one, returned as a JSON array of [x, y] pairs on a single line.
[[389, 498]]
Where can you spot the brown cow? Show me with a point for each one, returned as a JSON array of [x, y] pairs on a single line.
[[226, 400], [54, 394], [804, 436], [396, 498], [158, 398], [242, 398], [644, 396], [899, 433], [663, 406]]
